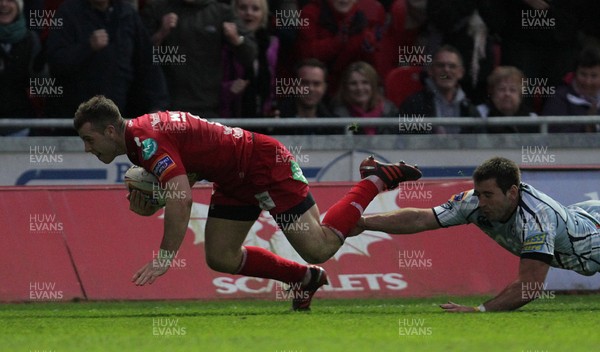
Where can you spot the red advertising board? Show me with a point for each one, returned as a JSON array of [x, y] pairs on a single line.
[[84, 242]]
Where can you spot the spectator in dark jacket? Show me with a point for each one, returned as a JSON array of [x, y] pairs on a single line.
[[505, 88], [313, 77], [249, 91], [18, 50], [198, 29], [581, 96], [442, 95], [103, 48]]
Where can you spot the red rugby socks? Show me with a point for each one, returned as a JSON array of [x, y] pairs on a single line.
[[259, 262], [343, 215]]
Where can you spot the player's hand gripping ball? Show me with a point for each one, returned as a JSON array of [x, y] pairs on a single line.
[[145, 182]]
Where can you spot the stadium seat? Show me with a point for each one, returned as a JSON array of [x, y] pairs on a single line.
[[402, 82]]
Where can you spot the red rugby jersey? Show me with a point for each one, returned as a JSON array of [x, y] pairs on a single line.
[[174, 143]]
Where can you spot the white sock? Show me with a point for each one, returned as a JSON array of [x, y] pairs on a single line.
[[377, 181]]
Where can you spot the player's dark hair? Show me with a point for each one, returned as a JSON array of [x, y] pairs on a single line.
[[100, 112], [504, 171]]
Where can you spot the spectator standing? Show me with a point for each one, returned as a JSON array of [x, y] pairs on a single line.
[[338, 33], [18, 49], [250, 91], [198, 29], [103, 48]]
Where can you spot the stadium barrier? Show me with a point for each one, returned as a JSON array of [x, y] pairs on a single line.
[[414, 123], [81, 242]]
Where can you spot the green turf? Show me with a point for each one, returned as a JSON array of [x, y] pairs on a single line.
[[563, 323]]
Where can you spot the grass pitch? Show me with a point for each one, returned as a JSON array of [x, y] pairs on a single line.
[[563, 323]]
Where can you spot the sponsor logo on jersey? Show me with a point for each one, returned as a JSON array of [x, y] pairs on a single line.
[[149, 147], [297, 172], [535, 242], [458, 197], [162, 166]]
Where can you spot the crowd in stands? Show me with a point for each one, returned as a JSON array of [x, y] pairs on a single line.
[[304, 58]]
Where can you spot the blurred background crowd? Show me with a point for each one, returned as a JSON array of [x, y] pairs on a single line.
[[303, 58]]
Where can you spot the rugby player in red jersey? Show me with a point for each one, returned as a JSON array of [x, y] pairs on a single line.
[[250, 172]]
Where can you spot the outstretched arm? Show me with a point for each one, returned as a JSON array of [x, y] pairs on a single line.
[[177, 215], [403, 221], [528, 286]]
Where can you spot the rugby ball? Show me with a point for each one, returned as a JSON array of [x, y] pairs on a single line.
[[138, 178]]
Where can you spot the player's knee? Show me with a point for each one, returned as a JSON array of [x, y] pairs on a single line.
[[315, 258], [221, 264]]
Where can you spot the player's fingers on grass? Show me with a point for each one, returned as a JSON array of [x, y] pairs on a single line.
[[137, 276]]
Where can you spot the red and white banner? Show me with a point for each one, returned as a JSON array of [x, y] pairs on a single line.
[[61, 243]]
